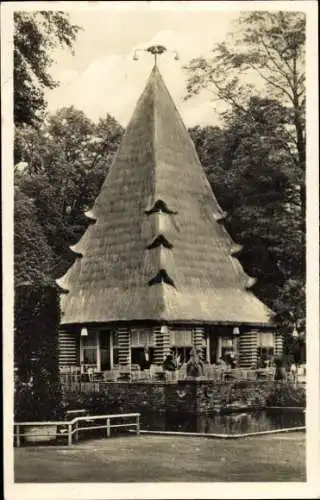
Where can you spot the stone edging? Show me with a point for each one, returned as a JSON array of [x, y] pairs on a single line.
[[223, 436]]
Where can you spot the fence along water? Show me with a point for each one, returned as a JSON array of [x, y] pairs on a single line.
[[74, 428]]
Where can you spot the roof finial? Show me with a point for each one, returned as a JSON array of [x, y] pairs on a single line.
[[156, 50]]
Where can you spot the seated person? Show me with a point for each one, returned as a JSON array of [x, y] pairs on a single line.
[[170, 362], [221, 363], [260, 363], [232, 362]]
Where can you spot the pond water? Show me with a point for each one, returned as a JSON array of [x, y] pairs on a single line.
[[232, 423]]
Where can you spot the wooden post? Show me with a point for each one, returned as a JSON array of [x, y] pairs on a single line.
[[198, 338], [77, 432], [219, 348], [207, 348], [124, 343], [69, 434], [278, 344], [81, 354], [108, 427], [248, 349], [236, 344], [138, 424], [162, 343], [17, 435], [98, 351], [111, 333]]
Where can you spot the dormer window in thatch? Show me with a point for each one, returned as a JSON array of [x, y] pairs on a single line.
[[236, 250], [158, 207], [158, 241], [62, 285], [62, 291], [251, 282], [89, 215], [76, 252], [220, 217], [161, 277]]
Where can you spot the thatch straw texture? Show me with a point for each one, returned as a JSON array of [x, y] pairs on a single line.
[[157, 162]]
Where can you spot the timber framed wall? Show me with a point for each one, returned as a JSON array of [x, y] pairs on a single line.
[[162, 338], [69, 348]]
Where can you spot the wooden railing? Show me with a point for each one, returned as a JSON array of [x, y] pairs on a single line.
[[156, 373], [73, 426]]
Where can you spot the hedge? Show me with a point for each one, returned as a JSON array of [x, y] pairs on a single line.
[[37, 385]]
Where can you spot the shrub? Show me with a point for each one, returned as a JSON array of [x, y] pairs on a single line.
[[287, 395], [37, 388]]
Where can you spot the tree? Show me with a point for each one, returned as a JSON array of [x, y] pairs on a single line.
[[33, 257], [259, 174], [252, 175], [210, 143], [64, 164], [35, 35], [269, 49]]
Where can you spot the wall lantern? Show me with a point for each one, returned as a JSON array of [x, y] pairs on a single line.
[[236, 331], [84, 332]]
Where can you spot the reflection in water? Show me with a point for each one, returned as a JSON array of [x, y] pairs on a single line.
[[234, 423]]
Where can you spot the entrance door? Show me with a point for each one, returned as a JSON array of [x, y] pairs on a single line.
[[105, 350], [213, 347]]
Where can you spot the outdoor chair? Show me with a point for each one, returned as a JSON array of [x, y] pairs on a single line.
[[124, 377], [64, 369], [170, 376], [135, 372], [90, 372], [110, 375], [228, 376], [181, 373], [160, 376], [75, 373], [124, 374], [154, 369], [97, 376]]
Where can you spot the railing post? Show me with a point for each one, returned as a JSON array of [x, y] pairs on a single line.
[[77, 432], [108, 427], [69, 434], [138, 424], [17, 435]]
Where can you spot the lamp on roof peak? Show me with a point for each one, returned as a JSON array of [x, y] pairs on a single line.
[[155, 50]]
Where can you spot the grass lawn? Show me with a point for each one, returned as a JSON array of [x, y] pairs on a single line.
[[149, 458]]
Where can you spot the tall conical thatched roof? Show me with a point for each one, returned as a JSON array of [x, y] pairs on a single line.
[[158, 249]]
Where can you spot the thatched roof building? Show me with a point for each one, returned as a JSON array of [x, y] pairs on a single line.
[[157, 251]]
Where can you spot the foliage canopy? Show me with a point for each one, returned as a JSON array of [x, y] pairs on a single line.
[[36, 34], [256, 162]]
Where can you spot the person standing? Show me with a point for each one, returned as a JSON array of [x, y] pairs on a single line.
[[145, 359], [293, 372], [280, 373], [194, 367]]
